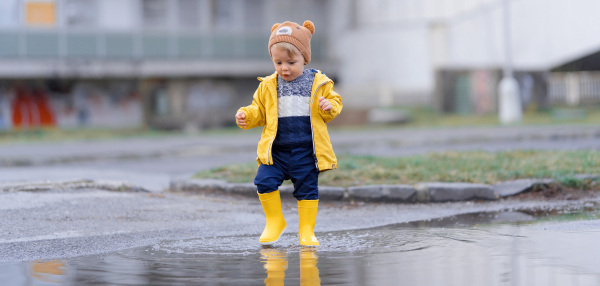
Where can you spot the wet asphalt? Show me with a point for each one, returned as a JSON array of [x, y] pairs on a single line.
[[64, 223]]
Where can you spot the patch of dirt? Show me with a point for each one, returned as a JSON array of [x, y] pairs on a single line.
[[557, 191]]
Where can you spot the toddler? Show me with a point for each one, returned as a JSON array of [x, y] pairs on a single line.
[[294, 105]]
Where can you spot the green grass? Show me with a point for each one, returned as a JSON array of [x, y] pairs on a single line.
[[425, 117], [471, 167]]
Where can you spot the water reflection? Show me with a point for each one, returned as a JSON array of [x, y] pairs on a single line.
[[35, 273], [49, 271], [509, 248], [276, 263], [309, 273]]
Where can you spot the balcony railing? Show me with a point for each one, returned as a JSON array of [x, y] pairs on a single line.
[[100, 45]]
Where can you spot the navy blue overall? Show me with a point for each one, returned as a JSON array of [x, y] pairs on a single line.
[[292, 150]]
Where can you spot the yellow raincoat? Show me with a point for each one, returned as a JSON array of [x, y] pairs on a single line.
[[263, 112]]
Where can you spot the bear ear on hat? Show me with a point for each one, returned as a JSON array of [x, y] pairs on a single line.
[[275, 26], [310, 26]]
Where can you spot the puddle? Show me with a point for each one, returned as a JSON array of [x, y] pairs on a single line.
[[550, 247]]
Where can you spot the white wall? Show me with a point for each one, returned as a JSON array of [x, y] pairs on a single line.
[[9, 13], [118, 14], [568, 29], [544, 34], [392, 49], [391, 56], [474, 41]]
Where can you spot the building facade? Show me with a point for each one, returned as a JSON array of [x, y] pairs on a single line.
[[450, 53], [126, 63], [177, 64]]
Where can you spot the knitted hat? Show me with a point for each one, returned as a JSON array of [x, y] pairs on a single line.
[[297, 35]]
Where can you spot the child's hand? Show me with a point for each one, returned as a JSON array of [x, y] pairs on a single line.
[[240, 119], [324, 104]]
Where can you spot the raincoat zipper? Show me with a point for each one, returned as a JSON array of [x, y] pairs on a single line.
[[269, 155], [312, 133]]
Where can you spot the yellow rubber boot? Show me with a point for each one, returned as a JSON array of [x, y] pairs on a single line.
[[275, 226], [307, 217], [309, 273], [275, 262]]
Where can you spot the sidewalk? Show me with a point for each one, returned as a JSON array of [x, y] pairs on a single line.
[[75, 164], [426, 192], [348, 139]]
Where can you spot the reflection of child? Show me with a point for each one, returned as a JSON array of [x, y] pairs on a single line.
[[294, 105], [276, 263]]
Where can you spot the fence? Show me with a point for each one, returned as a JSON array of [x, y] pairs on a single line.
[[99, 44], [475, 91], [574, 88]]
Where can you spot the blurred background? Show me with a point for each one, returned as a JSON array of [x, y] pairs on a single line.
[[189, 64]]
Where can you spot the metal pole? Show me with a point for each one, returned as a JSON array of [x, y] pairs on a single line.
[[510, 111], [61, 23], [508, 69]]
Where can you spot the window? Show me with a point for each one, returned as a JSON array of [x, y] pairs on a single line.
[[188, 13], [254, 14], [81, 13], [155, 13], [224, 16], [40, 13]]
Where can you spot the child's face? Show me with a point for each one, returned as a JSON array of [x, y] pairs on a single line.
[[289, 68]]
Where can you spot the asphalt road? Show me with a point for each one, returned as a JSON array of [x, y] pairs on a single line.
[[153, 161], [68, 223], [63, 224]]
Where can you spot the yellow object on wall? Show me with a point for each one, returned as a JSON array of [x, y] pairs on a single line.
[[40, 13]]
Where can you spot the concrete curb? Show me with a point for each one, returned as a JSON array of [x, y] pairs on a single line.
[[427, 192], [39, 186]]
